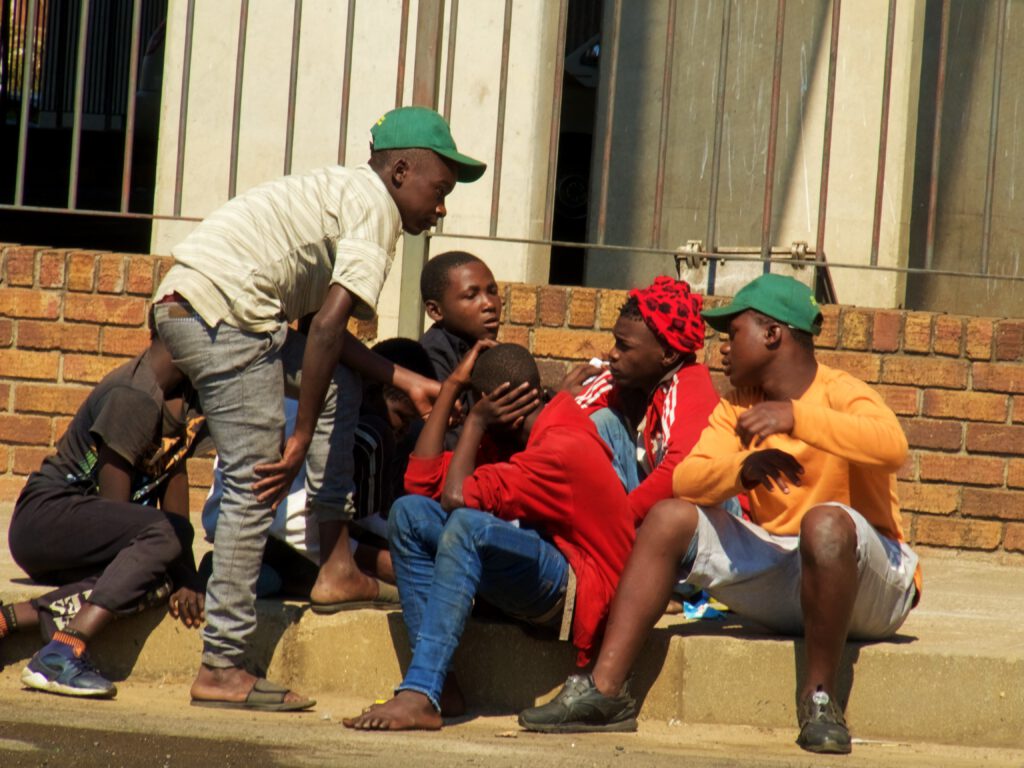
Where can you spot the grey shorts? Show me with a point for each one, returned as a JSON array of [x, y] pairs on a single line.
[[757, 574]]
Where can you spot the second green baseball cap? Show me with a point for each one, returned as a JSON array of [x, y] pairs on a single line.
[[787, 300], [423, 128]]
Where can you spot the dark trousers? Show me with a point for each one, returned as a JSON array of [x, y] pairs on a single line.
[[112, 554]]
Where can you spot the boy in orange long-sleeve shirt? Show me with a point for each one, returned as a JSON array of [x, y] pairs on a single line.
[[823, 556]]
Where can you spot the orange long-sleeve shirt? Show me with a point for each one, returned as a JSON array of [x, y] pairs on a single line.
[[845, 437]]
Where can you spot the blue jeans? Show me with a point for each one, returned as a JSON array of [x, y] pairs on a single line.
[[611, 426], [241, 378], [443, 561]]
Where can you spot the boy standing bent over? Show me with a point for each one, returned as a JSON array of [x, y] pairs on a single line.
[[817, 451], [319, 243]]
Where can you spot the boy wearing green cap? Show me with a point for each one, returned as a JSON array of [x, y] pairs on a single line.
[[822, 557], [318, 244]]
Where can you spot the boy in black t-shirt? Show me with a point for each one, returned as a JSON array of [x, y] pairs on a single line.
[[88, 521]]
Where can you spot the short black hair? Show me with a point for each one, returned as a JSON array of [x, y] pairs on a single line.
[[381, 159], [505, 363], [434, 278], [407, 353]]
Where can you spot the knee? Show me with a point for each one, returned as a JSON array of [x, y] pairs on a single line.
[[405, 513], [827, 533], [669, 520], [464, 528]]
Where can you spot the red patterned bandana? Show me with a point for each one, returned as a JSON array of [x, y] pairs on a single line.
[[672, 312]]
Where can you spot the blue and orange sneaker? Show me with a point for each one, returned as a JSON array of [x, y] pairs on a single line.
[[58, 668]]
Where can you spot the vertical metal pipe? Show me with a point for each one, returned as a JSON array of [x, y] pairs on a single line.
[[76, 125], [666, 108], [940, 97], [883, 133], [556, 119], [403, 37], [27, 71], [293, 79], [993, 135], [449, 73], [826, 145], [499, 139], [129, 129], [612, 52], [236, 108], [773, 133], [346, 80], [716, 152], [186, 72]]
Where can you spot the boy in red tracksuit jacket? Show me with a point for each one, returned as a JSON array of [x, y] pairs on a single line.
[[574, 527]]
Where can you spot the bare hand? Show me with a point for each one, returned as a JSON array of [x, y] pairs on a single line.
[[763, 419], [575, 379], [189, 606], [276, 479], [423, 394], [506, 407], [463, 372], [768, 467]]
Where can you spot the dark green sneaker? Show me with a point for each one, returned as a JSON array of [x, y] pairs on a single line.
[[580, 708], [822, 726]]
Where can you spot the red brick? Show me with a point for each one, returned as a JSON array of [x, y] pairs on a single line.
[[854, 325], [902, 400], [995, 438], [139, 275], [20, 266], [829, 336], [503, 289], [75, 337], [6, 332], [971, 406], [28, 458], [572, 345], [20, 364], [908, 471], [5, 455], [523, 304], [5, 396], [132, 341], [979, 338], [200, 472], [929, 433], [610, 304], [1009, 340], [949, 335], [970, 470], [21, 302], [24, 430], [163, 263], [1017, 405], [51, 269], [864, 366], [10, 487], [961, 534], [197, 497], [721, 383], [933, 498], [551, 373], [982, 502], [1013, 541], [364, 330], [514, 334], [89, 369], [82, 271], [885, 334], [60, 426], [947, 374], [917, 332], [582, 308], [998, 377], [109, 310], [1015, 473], [553, 304], [110, 273], [49, 398]]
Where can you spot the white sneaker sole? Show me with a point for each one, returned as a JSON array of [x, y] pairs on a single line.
[[39, 682]]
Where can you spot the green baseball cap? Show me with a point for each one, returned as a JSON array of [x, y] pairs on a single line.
[[408, 127], [782, 298]]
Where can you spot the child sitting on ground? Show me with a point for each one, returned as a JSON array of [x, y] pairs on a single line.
[[106, 519]]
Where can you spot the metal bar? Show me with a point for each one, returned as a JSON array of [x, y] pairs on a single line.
[[449, 73], [293, 79], [346, 80], [499, 139], [612, 53], [76, 125], [236, 109], [556, 119], [826, 149], [940, 96], [883, 133], [666, 107], [716, 151], [129, 129], [28, 65], [993, 136], [403, 37], [104, 214], [773, 133], [186, 71]]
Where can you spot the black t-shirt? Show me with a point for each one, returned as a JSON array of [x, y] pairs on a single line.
[[446, 351], [126, 412]]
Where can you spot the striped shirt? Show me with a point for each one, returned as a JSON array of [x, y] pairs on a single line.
[[272, 253]]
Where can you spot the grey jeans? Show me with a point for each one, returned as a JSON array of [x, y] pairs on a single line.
[[241, 378]]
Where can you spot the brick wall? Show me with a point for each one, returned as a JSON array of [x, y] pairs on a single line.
[[956, 383]]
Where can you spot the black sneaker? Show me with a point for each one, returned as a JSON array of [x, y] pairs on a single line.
[[822, 726], [56, 669], [580, 708]]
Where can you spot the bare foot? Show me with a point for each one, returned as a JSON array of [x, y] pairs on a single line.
[[336, 585], [407, 711], [227, 684]]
